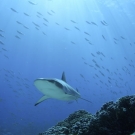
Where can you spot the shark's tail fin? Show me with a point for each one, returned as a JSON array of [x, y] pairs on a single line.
[[83, 98], [86, 100]]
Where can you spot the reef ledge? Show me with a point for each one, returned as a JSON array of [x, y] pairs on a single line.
[[114, 118]]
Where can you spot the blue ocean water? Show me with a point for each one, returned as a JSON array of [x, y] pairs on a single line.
[[92, 41]]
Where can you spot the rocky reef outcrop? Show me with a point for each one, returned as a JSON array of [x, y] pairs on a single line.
[[113, 119]]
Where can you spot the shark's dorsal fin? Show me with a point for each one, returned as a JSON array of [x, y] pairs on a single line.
[[63, 77]]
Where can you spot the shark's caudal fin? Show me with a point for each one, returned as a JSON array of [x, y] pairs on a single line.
[[41, 100], [85, 100], [63, 77]]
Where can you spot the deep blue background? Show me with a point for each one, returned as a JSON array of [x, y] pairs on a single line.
[[98, 59]]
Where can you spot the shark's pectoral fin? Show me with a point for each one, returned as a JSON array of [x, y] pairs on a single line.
[[41, 100]]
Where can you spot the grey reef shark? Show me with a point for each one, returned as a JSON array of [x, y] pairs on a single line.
[[56, 89]]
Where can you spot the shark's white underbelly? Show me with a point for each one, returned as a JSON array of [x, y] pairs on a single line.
[[53, 91]]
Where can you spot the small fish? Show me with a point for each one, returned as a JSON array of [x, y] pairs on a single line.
[[43, 33], [25, 27], [1, 43], [1, 36], [108, 70], [73, 42], [94, 23], [26, 79], [105, 24], [98, 53], [109, 78], [66, 28], [38, 16], [13, 10], [96, 75], [49, 13], [72, 21], [101, 73], [39, 13], [83, 58], [19, 22], [115, 42], [26, 14], [109, 81], [52, 11], [6, 56], [56, 23], [36, 24], [101, 81], [32, 3], [77, 28], [1, 30], [45, 24], [122, 37], [86, 39], [101, 60], [90, 65], [103, 37], [88, 22], [17, 37], [93, 55], [81, 75], [36, 28], [102, 54], [87, 33], [45, 19], [4, 49], [94, 61], [90, 43], [19, 32], [85, 63], [115, 39]]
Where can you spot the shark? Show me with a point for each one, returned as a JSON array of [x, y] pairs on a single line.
[[56, 89]]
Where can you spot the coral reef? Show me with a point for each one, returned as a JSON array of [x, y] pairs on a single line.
[[112, 119]]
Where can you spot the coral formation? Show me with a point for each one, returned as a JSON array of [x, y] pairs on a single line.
[[112, 119]]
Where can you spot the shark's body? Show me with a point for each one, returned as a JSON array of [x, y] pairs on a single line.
[[56, 88]]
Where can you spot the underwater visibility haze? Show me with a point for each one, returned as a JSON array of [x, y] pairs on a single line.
[[91, 41]]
